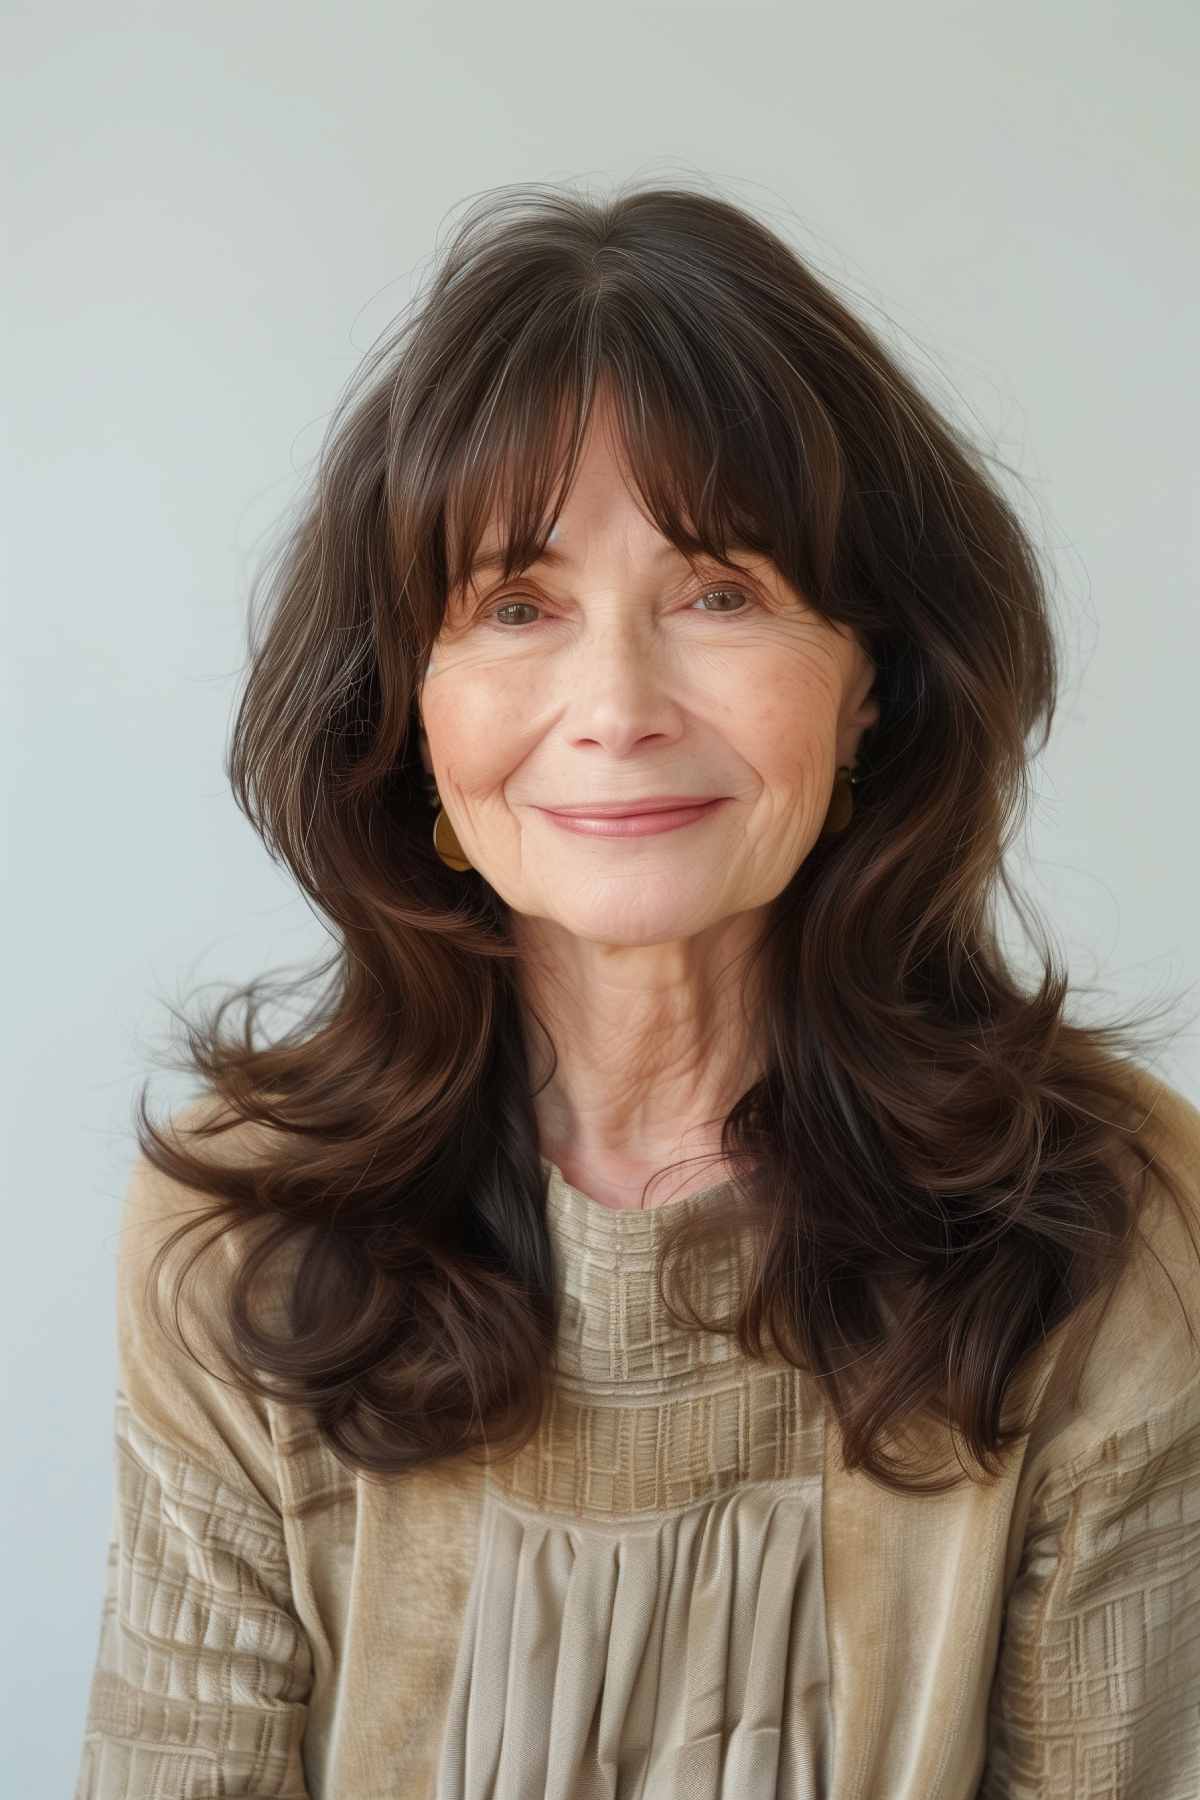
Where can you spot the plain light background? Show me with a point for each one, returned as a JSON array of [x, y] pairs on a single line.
[[212, 211]]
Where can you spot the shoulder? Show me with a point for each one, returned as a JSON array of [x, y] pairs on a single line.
[[155, 1201], [1134, 1352], [186, 1242], [1157, 1303], [176, 1257]]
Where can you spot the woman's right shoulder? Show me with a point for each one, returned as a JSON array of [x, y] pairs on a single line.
[[177, 1255], [155, 1197]]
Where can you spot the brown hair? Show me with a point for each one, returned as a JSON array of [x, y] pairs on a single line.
[[928, 1130]]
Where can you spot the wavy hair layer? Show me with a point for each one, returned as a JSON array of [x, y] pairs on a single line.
[[929, 1132]]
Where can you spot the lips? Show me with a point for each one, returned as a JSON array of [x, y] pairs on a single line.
[[629, 809], [616, 826]]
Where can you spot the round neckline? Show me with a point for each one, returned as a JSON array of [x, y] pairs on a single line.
[[566, 1199], [615, 1329]]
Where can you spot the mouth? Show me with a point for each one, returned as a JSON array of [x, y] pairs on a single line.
[[633, 809], [652, 819]]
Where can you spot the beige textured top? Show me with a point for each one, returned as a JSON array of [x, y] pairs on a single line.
[[675, 1592]]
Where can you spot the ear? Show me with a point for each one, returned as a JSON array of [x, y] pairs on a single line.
[[860, 718], [867, 708], [867, 713]]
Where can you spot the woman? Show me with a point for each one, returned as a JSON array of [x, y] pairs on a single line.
[[682, 1317]]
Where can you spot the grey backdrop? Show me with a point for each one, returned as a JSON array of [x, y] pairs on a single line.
[[213, 209]]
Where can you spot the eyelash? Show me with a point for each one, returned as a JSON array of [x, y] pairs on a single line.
[[719, 588]]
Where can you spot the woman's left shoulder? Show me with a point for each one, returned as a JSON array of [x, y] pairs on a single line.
[[1142, 1358], [1169, 1205]]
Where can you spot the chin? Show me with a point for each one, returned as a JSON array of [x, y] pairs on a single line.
[[629, 922]]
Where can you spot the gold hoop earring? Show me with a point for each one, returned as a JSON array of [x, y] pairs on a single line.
[[445, 842]]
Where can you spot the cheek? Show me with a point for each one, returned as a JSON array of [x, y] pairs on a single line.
[[475, 730], [789, 728]]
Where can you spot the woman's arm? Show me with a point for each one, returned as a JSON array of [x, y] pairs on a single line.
[[1097, 1688], [202, 1675], [203, 1672]]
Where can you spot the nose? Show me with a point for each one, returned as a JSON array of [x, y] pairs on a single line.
[[621, 687]]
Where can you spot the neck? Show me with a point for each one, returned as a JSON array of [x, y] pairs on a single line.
[[651, 1046]]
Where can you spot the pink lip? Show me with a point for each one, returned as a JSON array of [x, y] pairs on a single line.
[[624, 825], [631, 809]]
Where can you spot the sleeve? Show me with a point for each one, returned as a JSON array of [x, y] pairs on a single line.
[[1096, 1694], [201, 1681]]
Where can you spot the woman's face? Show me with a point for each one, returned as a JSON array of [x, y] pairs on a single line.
[[618, 675]]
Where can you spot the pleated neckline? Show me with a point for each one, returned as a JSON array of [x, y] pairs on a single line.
[[646, 1613]]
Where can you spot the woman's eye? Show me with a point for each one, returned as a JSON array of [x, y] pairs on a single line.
[[507, 606], [722, 593], [728, 593]]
